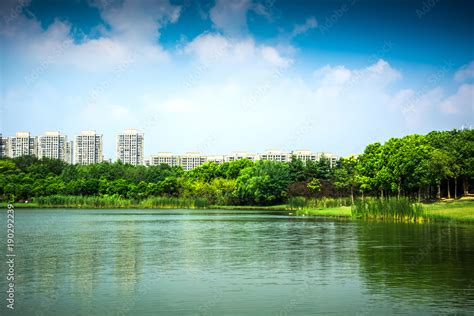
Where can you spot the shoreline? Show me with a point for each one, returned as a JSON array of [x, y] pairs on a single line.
[[458, 211]]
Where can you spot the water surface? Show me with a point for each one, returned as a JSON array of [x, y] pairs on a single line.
[[149, 262]]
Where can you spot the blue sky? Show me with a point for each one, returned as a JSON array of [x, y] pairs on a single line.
[[220, 76]]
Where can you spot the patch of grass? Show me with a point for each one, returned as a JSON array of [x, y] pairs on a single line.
[[461, 211], [283, 207], [4, 205], [341, 211]]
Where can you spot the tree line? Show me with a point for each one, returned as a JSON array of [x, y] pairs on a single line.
[[423, 167]]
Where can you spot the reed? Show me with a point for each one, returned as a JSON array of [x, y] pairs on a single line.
[[301, 203], [297, 203], [329, 202], [388, 209], [72, 201]]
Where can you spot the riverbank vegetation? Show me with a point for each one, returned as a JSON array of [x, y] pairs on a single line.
[[388, 208], [406, 170], [459, 211]]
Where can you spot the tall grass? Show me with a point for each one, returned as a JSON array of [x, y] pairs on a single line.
[[329, 202], [297, 203], [388, 208], [118, 202]]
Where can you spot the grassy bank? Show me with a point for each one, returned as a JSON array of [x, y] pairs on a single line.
[[459, 210], [462, 211], [4, 205], [341, 211]]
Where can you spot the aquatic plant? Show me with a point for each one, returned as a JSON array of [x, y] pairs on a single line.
[[388, 208]]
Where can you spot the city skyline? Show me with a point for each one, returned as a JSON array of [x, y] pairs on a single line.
[[245, 74], [88, 149]]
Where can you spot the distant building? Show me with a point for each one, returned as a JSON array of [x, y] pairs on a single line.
[[164, 158], [3, 146], [69, 158], [191, 160], [239, 155], [89, 148], [130, 147], [217, 159], [55, 146], [332, 158], [275, 155], [22, 144], [306, 155]]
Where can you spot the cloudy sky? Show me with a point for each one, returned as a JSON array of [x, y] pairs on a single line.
[[226, 75]]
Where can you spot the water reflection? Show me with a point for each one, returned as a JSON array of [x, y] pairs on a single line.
[[84, 262], [429, 264]]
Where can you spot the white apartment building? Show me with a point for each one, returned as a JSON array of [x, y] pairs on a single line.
[[3, 146], [332, 158], [217, 159], [55, 146], [191, 160], [239, 155], [275, 155], [130, 147], [22, 144], [70, 152], [304, 155], [89, 148], [164, 157]]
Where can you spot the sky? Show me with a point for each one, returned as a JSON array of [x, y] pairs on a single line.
[[237, 75]]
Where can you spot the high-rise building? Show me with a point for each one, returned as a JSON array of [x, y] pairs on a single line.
[[3, 146], [22, 144], [89, 148], [69, 158], [130, 147], [55, 146]]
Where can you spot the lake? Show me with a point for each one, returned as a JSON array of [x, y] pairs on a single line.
[[150, 262]]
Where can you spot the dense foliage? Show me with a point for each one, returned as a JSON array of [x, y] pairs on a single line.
[[416, 166]]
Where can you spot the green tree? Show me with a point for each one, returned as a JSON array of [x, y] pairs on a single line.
[[439, 168], [297, 170], [265, 183], [314, 186], [345, 175]]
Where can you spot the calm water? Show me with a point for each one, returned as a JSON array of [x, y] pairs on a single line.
[[149, 262]]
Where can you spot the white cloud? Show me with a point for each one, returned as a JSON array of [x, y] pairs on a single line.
[[133, 32], [230, 16], [345, 80], [465, 72], [309, 24], [179, 105], [243, 93], [461, 102], [214, 48]]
